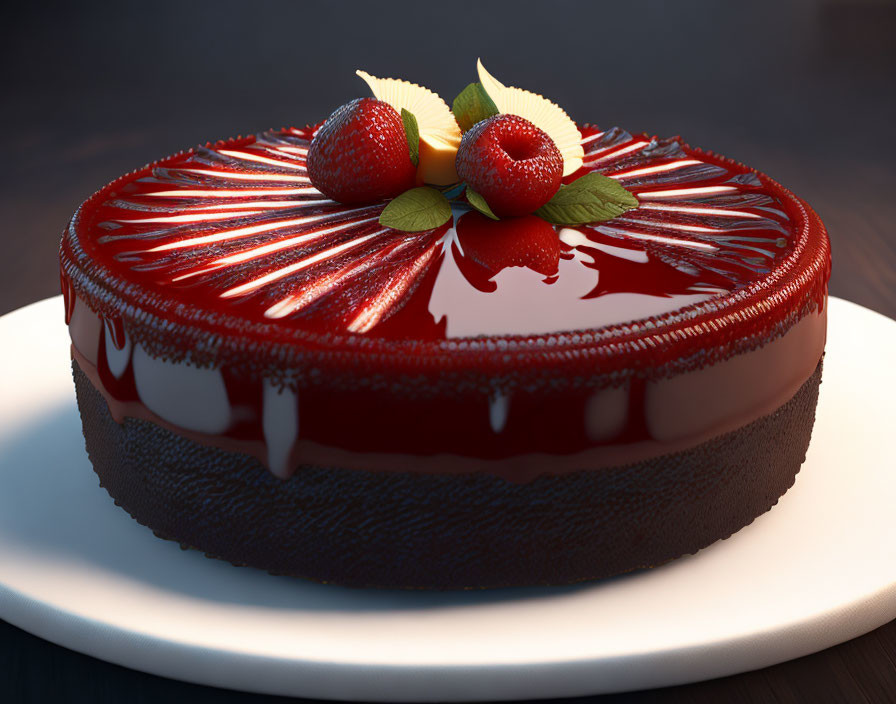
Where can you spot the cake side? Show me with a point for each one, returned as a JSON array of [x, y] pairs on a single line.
[[403, 529]]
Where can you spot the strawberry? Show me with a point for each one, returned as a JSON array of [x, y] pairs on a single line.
[[511, 163], [493, 245], [360, 154]]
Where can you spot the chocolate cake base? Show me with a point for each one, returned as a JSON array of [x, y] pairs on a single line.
[[423, 531]]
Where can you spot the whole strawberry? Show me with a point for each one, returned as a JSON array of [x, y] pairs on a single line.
[[360, 154], [511, 163]]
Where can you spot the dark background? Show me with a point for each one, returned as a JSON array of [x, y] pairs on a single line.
[[804, 90]]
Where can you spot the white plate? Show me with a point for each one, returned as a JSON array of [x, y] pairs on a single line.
[[817, 570]]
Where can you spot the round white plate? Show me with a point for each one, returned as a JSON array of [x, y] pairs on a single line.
[[817, 570]]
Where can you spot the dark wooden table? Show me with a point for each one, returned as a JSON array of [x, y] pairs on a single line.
[[805, 91]]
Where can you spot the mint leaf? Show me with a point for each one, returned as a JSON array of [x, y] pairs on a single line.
[[412, 133], [417, 210], [591, 198], [472, 105], [478, 202]]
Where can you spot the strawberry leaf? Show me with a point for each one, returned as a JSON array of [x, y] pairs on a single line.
[[591, 198], [472, 105], [412, 132], [478, 202], [417, 210]]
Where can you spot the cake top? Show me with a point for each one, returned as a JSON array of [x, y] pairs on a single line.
[[442, 241]]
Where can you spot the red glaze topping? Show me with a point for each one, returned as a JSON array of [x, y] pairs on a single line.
[[227, 255], [485, 247]]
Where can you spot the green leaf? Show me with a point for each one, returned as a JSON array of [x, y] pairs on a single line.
[[472, 105], [591, 198], [417, 210], [478, 202], [412, 132]]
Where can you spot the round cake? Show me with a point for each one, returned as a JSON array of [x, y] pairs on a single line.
[[289, 382]]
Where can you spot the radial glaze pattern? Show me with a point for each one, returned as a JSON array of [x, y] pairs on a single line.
[[244, 227], [232, 237]]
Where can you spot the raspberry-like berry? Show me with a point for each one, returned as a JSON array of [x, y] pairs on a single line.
[[360, 154], [511, 163]]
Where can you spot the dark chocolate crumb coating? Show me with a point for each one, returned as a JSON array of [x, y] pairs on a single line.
[[422, 531]]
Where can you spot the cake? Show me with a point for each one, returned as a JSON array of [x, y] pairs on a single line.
[[431, 348]]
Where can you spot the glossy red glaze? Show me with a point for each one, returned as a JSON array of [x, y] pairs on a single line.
[[227, 256], [485, 247]]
